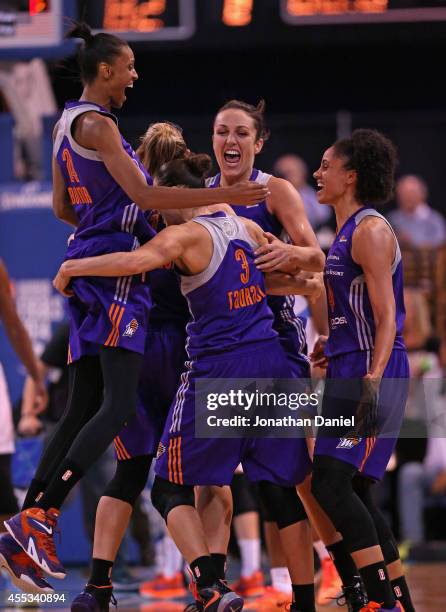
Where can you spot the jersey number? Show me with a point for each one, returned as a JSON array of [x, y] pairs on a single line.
[[240, 256]]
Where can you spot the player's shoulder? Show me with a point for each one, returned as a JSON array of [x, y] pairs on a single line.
[[283, 192], [254, 230]]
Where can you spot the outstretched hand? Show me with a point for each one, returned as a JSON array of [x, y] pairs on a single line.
[[246, 193]]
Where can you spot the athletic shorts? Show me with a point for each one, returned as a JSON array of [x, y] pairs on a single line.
[[163, 364], [292, 452], [107, 311], [184, 459], [341, 396]]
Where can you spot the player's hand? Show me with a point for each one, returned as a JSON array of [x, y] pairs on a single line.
[[439, 484], [40, 396], [273, 256], [61, 282], [245, 193], [318, 282], [318, 357], [29, 425], [366, 416]]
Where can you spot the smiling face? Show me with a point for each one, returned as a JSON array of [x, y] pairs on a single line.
[[235, 143], [334, 181], [119, 75]]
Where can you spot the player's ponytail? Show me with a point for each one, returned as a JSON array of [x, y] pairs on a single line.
[[162, 142], [199, 164], [188, 172], [96, 48]]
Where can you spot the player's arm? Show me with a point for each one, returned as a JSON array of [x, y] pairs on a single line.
[[278, 283], [62, 206], [18, 336], [98, 132], [373, 248], [286, 204], [167, 246]]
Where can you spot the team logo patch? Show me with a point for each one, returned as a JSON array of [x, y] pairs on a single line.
[[349, 441], [342, 239], [161, 449], [131, 329]]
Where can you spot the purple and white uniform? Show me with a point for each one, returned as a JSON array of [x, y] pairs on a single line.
[[350, 351], [230, 336], [163, 364], [104, 311], [289, 326]]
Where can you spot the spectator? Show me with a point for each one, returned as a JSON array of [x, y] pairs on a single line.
[[294, 169], [415, 222], [421, 478]]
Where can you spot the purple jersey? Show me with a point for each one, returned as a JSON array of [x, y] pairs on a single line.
[[285, 320], [101, 205], [352, 325], [227, 300], [105, 311]]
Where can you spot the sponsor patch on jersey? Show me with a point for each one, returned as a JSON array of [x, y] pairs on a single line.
[[349, 441], [131, 329], [160, 450], [335, 321]]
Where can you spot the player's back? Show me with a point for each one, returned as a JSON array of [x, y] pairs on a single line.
[[227, 300], [101, 204]]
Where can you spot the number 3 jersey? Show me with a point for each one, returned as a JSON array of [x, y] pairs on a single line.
[[227, 300], [351, 321]]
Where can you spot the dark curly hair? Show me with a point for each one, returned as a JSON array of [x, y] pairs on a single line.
[[257, 113], [374, 158]]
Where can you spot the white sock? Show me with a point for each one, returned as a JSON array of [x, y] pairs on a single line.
[[322, 552], [280, 579], [250, 556], [173, 560]]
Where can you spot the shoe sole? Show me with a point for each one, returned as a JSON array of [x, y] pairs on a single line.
[[22, 584], [58, 575], [230, 602], [79, 607]]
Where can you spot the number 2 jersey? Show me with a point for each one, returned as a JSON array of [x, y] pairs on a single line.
[[103, 311]]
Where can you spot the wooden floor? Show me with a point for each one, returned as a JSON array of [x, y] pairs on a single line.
[[427, 586]]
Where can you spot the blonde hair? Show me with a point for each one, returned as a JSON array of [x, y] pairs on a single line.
[[162, 142]]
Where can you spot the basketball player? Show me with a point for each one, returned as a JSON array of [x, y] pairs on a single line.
[[216, 253], [99, 186], [238, 136], [364, 283]]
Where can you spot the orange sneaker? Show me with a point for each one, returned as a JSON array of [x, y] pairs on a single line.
[[272, 600], [164, 588], [331, 585], [252, 586]]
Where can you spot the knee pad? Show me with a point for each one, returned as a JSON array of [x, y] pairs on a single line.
[[130, 479], [282, 504], [332, 487], [363, 488], [243, 496], [168, 495]]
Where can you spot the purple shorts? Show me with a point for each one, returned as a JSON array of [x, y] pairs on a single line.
[[107, 311], [341, 395], [286, 451], [187, 460], [163, 364]]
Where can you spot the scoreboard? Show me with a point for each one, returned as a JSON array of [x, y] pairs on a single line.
[[30, 23]]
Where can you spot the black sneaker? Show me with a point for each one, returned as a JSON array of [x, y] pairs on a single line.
[[353, 596], [219, 598], [94, 599]]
